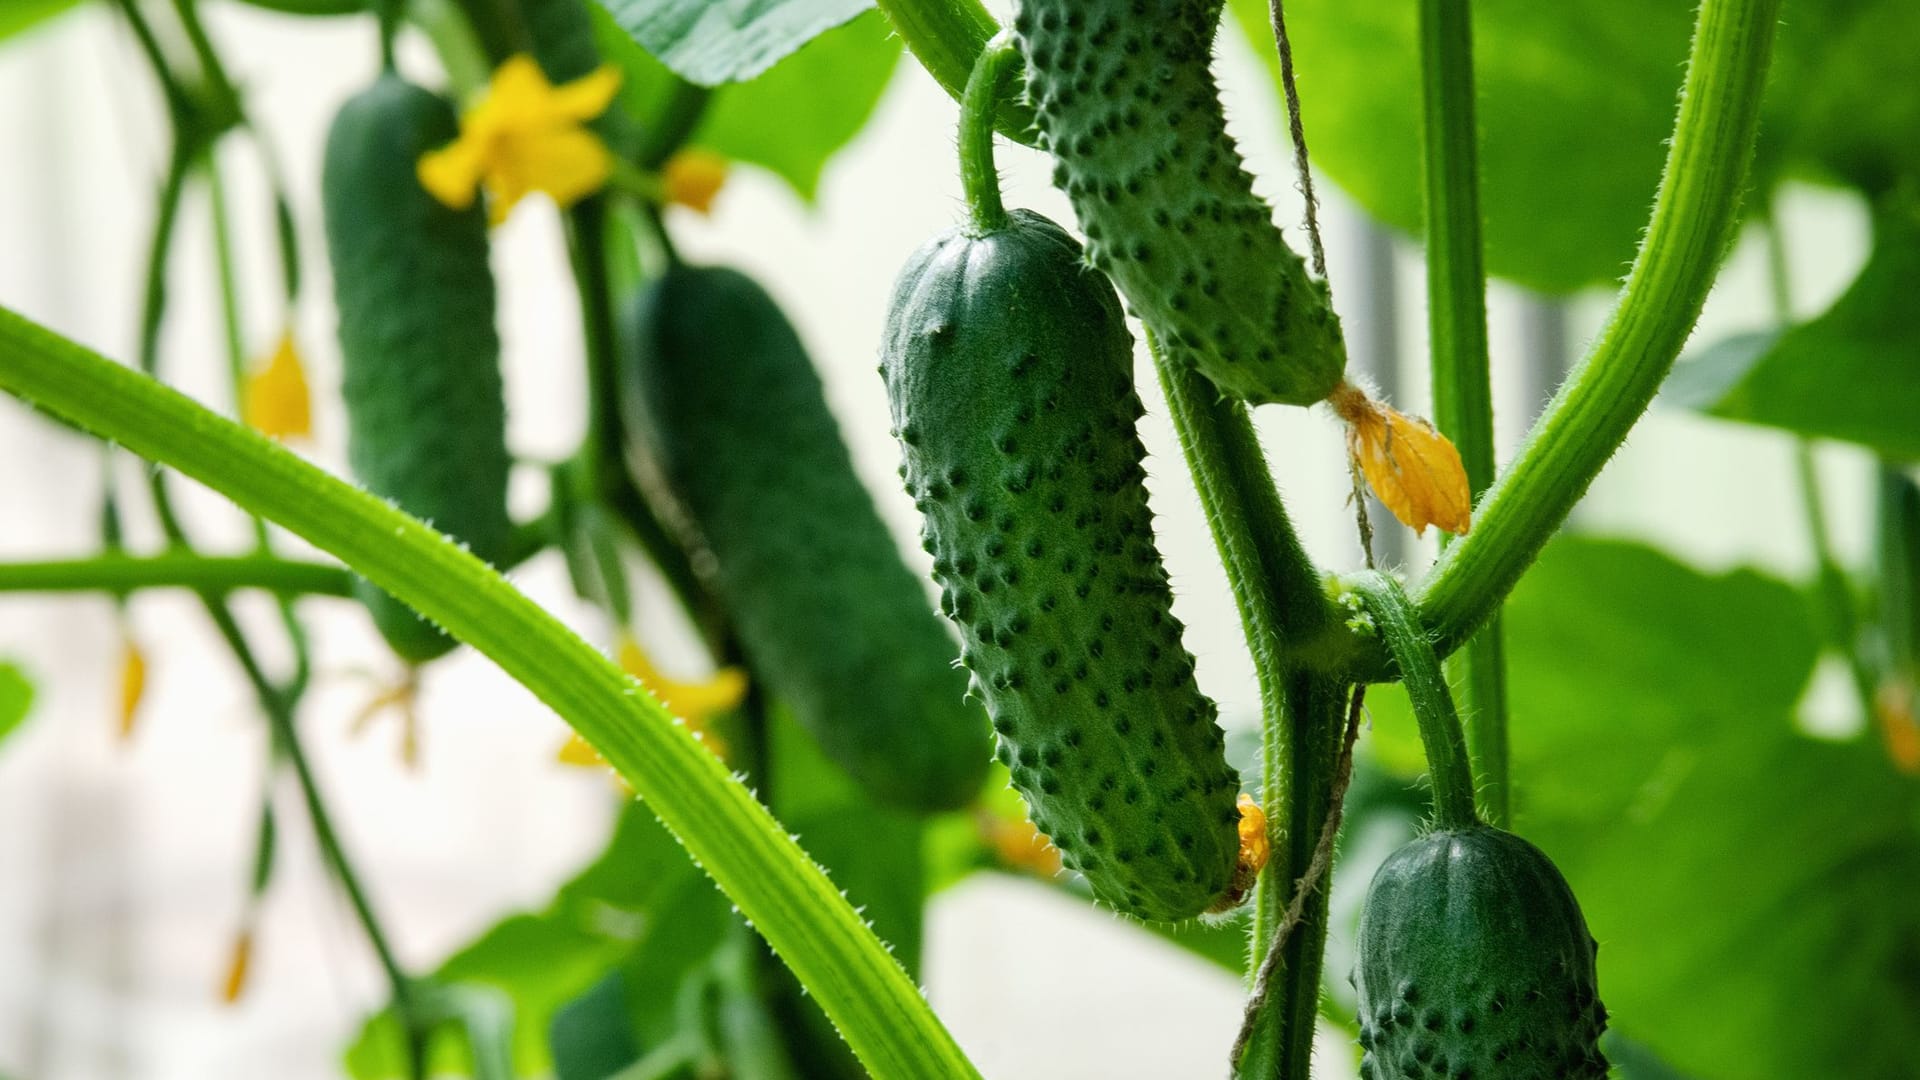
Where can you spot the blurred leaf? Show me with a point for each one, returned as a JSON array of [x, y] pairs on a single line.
[[17, 16], [543, 961], [789, 120], [1633, 1061], [16, 698], [1575, 104], [590, 1037], [1843, 103], [1853, 373], [709, 43], [1751, 887]]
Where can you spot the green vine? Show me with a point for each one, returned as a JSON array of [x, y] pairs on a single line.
[[1457, 327], [752, 858], [121, 574]]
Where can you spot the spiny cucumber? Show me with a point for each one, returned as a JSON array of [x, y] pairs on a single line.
[[1009, 367], [1474, 961], [723, 408], [425, 412], [1128, 107]]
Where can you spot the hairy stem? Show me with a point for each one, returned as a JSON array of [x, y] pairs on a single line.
[[1457, 327], [121, 574], [1440, 733], [739, 844], [1694, 218], [987, 87], [947, 36]]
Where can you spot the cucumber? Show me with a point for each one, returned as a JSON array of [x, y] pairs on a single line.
[[1010, 367], [426, 418], [1128, 107], [1474, 960], [722, 408]]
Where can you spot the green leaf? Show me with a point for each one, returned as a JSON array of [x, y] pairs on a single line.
[[1849, 374], [1843, 103], [1751, 887], [709, 43], [791, 119], [16, 698], [17, 16], [590, 1037], [1575, 104]]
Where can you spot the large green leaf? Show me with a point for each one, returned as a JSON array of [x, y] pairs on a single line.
[[1844, 103], [710, 43], [20, 15], [16, 698], [790, 119], [1752, 888], [1853, 373], [1575, 102]]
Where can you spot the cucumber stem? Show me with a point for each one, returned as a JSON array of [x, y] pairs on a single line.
[[119, 574], [1440, 733], [947, 36], [1457, 326], [979, 105]]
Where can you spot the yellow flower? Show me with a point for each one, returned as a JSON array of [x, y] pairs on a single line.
[[276, 402], [695, 703], [693, 177], [525, 135], [239, 966], [1414, 471], [133, 683], [1899, 727], [1018, 845], [1255, 849]]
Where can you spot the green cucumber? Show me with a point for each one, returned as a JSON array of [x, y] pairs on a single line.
[[723, 410], [1128, 107], [1474, 961], [1010, 370], [426, 417]]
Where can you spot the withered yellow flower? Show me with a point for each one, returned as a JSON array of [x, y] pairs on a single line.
[[277, 403], [1893, 707], [133, 684], [525, 135], [1255, 850], [693, 177], [1414, 470], [695, 703], [239, 966], [1017, 845]]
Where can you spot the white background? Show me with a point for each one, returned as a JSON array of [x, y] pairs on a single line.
[[122, 867]]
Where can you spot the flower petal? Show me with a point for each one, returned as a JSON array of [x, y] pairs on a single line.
[[588, 96], [693, 177], [1414, 470], [452, 173], [277, 402], [567, 165]]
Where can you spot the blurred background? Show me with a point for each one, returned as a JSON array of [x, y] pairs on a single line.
[[123, 865]]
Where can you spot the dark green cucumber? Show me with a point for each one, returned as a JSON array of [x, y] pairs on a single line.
[[723, 409], [426, 419], [1010, 369], [1474, 961], [1127, 104]]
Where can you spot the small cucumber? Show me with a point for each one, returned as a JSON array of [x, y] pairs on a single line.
[[723, 409], [1128, 107], [425, 412], [1010, 370], [1474, 961]]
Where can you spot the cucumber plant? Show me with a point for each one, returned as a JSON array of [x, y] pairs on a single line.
[[710, 451]]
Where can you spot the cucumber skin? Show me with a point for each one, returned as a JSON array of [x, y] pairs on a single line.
[[426, 414], [1009, 366], [1127, 104], [1474, 960], [721, 402]]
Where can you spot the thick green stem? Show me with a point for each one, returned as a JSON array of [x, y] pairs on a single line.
[[1440, 734], [120, 574], [1457, 327], [998, 63], [748, 853], [947, 36], [1694, 218], [1278, 593]]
